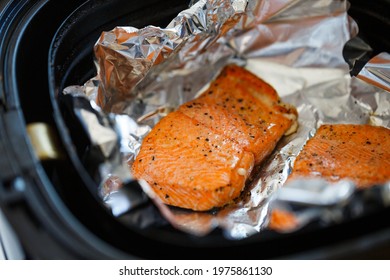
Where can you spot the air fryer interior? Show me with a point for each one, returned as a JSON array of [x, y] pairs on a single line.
[[52, 50]]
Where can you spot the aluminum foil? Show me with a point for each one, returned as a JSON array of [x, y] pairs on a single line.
[[126, 54], [295, 45], [377, 71]]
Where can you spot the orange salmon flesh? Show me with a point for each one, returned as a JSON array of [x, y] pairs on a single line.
[[201, 156], [360, 153]]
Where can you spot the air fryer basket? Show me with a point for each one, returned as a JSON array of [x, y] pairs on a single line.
[[53, 204]]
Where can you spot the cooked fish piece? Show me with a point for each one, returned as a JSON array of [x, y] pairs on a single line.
[[245, 109], [200, 156], [282, 220], [190, 166], [360, 153]]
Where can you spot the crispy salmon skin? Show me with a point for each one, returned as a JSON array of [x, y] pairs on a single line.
[[360, 153], [200, 156]]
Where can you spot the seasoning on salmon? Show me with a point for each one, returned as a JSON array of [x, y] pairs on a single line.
[[200, 156], [360, 153], [244, 108]]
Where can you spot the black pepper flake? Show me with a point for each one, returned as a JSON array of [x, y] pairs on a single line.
[[240, 100], [368, 143], [189, 106], [166, 196], [207, 139]]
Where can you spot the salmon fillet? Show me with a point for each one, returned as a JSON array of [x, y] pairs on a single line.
[[190, 166], [282, 220], [244, 108], [360, 153], [200, 156]]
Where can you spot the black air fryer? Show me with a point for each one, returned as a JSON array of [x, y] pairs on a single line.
[[50, 200]]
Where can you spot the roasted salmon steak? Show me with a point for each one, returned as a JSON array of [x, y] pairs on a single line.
[[282, 220], [201, 156], [360, 153]]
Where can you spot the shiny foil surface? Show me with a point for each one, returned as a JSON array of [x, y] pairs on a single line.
[[294, 45]]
